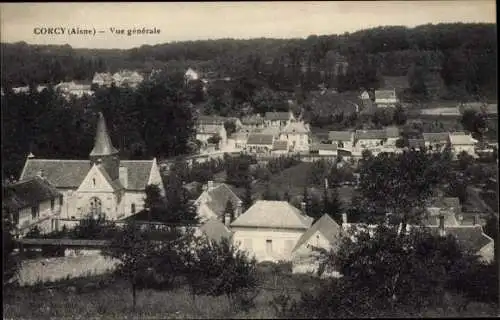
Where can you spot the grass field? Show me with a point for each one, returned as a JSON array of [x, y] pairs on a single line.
[[112, 299]]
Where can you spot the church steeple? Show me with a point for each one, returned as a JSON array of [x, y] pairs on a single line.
[[103, 152]]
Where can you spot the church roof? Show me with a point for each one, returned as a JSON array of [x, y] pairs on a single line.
[[102, 144], [70, 173]]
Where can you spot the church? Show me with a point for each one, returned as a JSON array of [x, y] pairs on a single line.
[[102, 186]]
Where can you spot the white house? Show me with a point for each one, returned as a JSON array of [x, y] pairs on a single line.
[[206, 131], [211, 204], [386, 98], [372, 140], [325, 149], [103, 185], [269, 230], [102, 79], [32, 202], [460, 142], [278, 119], [297, 136], [324, 234], [238, 140], [280, 147], [191, 75], [343, 139]]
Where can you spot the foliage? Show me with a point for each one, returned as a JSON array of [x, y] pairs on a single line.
[[409, 180], [247, 199], [474, 122], [11, 263], [238, 169], [215, 139], [228, 210], [220, 268], [230, 127]]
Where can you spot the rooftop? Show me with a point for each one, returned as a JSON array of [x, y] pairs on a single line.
[[259, 138], [28, 193]]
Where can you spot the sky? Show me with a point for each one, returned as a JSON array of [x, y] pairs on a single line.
[[178, 21]]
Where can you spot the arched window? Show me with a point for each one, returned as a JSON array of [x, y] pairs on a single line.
[[95, 207], [93, 181], [132, 208]]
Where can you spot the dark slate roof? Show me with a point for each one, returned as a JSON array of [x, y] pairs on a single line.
[[416, 143], [436, 136], [258, 138], [273, 116], [219, 196], [326, 226], [470, 237], [280, 145], [384, 94], [215, 230], [370, 134], [28, 193], [70, 173], [102, 144], [340, 135], [252, 120], [324, 146], [391, 132]]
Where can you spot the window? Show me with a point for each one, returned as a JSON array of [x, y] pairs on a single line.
[[132, 207], [269, 246], [95, 206], [93, 181], [35, 212], [15, 218], [61, 200], [52, 203]]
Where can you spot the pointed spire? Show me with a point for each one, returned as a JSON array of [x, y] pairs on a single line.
[[102, 144]]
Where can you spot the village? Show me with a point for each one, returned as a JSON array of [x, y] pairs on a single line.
[[343, 176]]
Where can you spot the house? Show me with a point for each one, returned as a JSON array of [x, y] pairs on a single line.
[[436, 141], [205, 132], [416, 144], [238, 140], [191, 75], [102, 79], [324, 234], [211, 204], [461, 142], [32, 202], [449, 207], [370, 139], [24, 89], [74, 88], [324, 149], [297, 135], [127, 78], [269, 230], [215, 230], [260, 143], [212, 120], [280, 147], [104, 185], [278, 119], [253, 122], [386, 98], [391, 136], [343, 139]]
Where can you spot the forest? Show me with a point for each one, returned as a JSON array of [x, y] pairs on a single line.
[[464, 55]]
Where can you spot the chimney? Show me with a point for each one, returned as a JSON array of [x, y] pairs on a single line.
[[238, 210], [388, 218], [210, 185], [344, 218], [303, 207], [124, 176], [31, 155], [227, 219], [441, 225]]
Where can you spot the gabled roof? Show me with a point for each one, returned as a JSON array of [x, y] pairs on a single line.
[[340, 135], [275, 116], [391, 132], [115, 184], [370, 134], [215, 230], [460, 138], [434, 137], [219, 196], [208, 129], [215, 120], [324, 146], [326, 226], [273, 214], [258, 138], [469, 237], [254, 119], [296, 127], [280, 145], [239, 136], [385, 94], [274, 131], [70, 173], [28, 193]]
